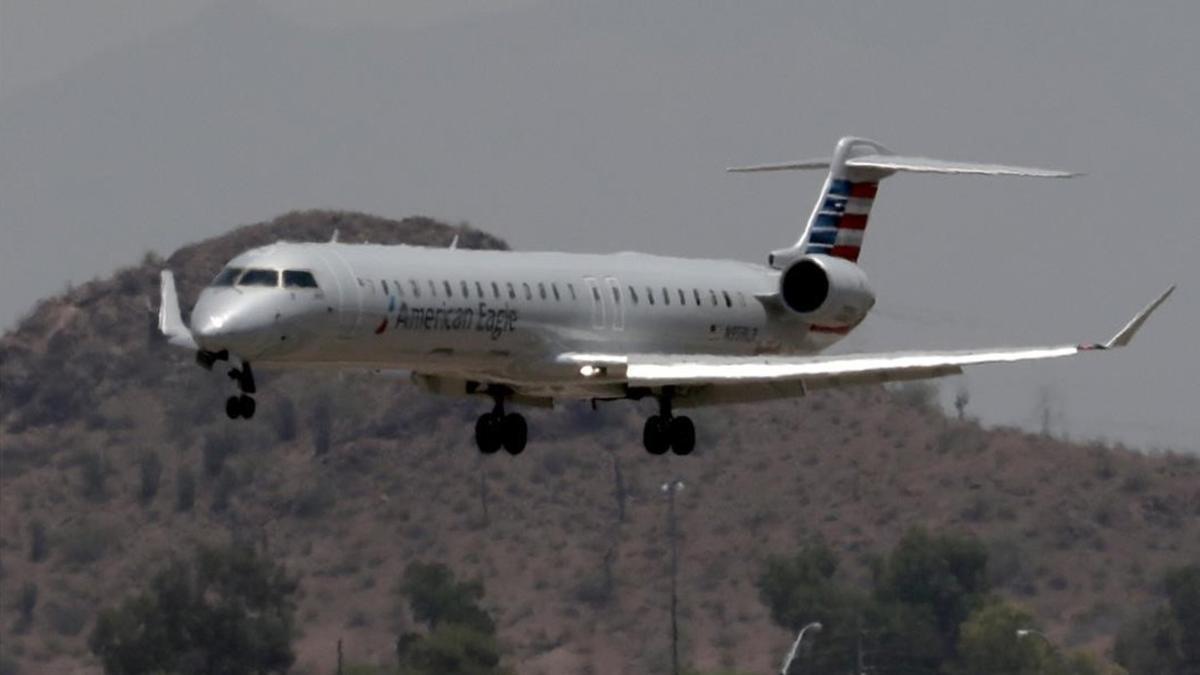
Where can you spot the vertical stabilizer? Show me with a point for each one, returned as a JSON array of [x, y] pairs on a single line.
[[839, 218]]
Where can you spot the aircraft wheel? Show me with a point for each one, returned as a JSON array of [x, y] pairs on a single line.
[[683, 435], [487, 436], [516, 433], [247, 406], [233, 407], [654, 435]]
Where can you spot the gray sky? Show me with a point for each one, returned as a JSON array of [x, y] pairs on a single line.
[[136, 124]]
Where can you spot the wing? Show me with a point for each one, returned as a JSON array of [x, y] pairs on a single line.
[[759, 377]]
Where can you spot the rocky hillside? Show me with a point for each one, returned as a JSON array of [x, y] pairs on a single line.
[[115, 453]]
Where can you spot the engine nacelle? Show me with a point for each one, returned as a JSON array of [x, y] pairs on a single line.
[[826, 291]]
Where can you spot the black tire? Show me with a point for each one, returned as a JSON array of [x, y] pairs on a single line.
[[247, 405], [516, 433], [654, 435], [487, 436], [233, 407], [683, 435]]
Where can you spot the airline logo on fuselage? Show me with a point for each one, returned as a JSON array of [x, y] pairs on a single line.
[[495, 321]]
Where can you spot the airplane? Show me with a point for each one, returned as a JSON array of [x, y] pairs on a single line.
[[532, 328]]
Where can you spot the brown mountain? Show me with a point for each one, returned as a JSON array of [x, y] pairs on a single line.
[[91, 402]]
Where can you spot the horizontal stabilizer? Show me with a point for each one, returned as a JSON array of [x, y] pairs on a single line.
[[892, 163], [898, 163], [798, 165]]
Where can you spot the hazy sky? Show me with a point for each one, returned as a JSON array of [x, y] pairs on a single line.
[[129, 125]]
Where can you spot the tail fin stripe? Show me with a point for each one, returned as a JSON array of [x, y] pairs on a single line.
[[839, 186], [866, 190], [823, 235], [854, 221], [847, 252]]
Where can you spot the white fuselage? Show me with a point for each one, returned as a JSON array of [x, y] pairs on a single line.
[[495, 315]]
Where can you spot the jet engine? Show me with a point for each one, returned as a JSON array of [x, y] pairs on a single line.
[[826, 291]]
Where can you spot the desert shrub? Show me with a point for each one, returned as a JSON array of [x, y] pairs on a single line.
[[226, 485], [218, 447], [39, 544], [26, 603], [313, 501], [237, 605], [321, 424], [9, 665], [84, 543], [150, 469], [918, 394], [67, 620], [185, 489], [93, 471], [284, 420]]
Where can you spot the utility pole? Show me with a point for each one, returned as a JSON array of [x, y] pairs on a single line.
[[670, 488]]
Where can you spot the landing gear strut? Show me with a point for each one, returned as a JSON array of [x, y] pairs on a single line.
[[241, 406], [496, 429], [665, 431]]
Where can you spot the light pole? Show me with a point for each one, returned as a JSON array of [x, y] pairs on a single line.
[[670, 488], [787, 661]]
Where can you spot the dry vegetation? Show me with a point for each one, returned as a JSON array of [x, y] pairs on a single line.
[[116, 455]]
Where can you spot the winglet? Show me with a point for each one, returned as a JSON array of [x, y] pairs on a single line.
[[1125, 336], [170, 322]]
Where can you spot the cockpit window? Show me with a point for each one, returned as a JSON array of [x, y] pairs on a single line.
[[259, 278], [300, 279], [227, 276]]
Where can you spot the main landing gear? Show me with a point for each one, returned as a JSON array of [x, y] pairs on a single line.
[[496, 429], [243, 405], [665, 431]]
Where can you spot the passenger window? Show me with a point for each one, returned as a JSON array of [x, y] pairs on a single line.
[[616, 295], [466, 290], [479, 290], [696, 292], [633, 295], [259, 278], [596, 293], [682, 297], [571, 288], [528, 292], [741, 298], [416, 288], [432, 288], [542, 290], [666, 296], [226, 277], [399, 288], [712, 296], [649, 295], [446, 286], [383, 283], [554, 287], [728, 301], [496, 290], [298, 279], [512, 291]]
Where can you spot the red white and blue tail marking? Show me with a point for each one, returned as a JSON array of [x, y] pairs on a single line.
[[838, 226]]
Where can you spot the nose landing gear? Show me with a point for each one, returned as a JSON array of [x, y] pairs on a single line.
[[241, 406], [665, 431], [496, 429]]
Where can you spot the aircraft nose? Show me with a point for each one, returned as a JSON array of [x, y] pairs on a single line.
[[227, 321]]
